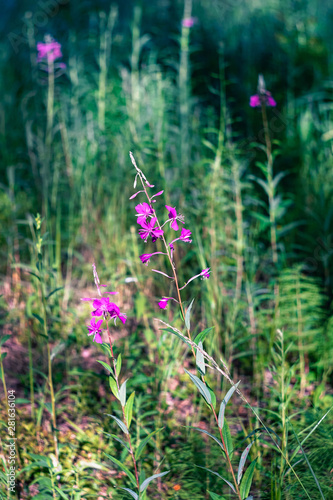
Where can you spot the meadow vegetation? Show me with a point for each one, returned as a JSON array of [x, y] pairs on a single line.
[[178, 154]]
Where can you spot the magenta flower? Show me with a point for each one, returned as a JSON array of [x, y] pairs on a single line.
[[50, 51], [185, 235], [205, 273], [188, 22], [164, 302], [150, 230], [146, 257], [101, 306], [266, 98], [144, 210], [95, 330], [115, 313], [173, 217]]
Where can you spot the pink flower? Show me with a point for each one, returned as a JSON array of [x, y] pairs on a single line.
[[205, 273], [257, 100], [150, 230], [50, 51], [164, 302], [94, 329], [144, 210], [146, 257], [185, 235], [173, 217], [188, 22], [103, 306]]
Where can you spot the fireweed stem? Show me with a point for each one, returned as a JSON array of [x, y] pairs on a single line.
[[122, 407], [188, 333]]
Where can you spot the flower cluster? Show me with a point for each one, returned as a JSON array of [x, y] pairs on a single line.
[[150, 227], [263, 97], [49, 52], [103, 308]]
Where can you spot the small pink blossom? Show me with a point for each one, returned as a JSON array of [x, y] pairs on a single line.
[[173, 217], [144, 210], [205, 273], [164, 302], [150, 230], [95, 330], [50, 51], [185, 235], [146, 257], [266, 98], [188, 22]]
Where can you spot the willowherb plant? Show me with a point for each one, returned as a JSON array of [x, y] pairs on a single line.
[[107, 311], [148, 219]]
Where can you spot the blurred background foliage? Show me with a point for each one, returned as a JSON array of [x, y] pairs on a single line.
[[137, 80]]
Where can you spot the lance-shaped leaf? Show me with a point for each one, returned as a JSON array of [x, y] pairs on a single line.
[[143, 443], [203, 389], [129, 409], [227, 439], [122, 393], [145, 483], [4, 339], [117, 438], [208, 434], [123, 467], [179, 335], [202, 335], [119, 422], [242, 462], [214, 496], [218, 475], [106, 366], [131, 492], [224, 404], [187, 315], [200, 360], [247, 480], [118, 365], [113, 386]]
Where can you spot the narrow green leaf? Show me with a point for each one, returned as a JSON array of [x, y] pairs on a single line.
[[113, 386], [218, 475], [187, 315], [145, 483], [131, 492], [201, 386], [123, 467], [245, 485], [181, 337], [227, 439], [214, 496], [200, 360], [121, 441], [129, 409], [106, 366], [212, 395], [119, 422], [53, 291], [3, 355], [122, 393], [40, 319], [143, 443], [61, 493], [208, 434], [224, 404], [242, 462], [118, 365], [4, 339], [202, 335]]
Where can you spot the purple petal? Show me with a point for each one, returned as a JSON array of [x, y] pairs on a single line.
[[98, 339]]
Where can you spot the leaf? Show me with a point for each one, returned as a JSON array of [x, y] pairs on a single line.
[[247, 480], [123, 467], [122, 393], [119, 422], [145, 483], [201, 386], [143, 443], [224, 404], [121, 441], [113, 386], [40, 319], [187, 315], [227, 439], [107, 367], [202, 335], [118, 365], [179, 335], [3, 355], [214, 496], [208, 434], [218, 475], [131, 492], [242, 462], [53, 291], [4, 339], [212, 395], [200, 360], [129, 409], [61, 493]]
